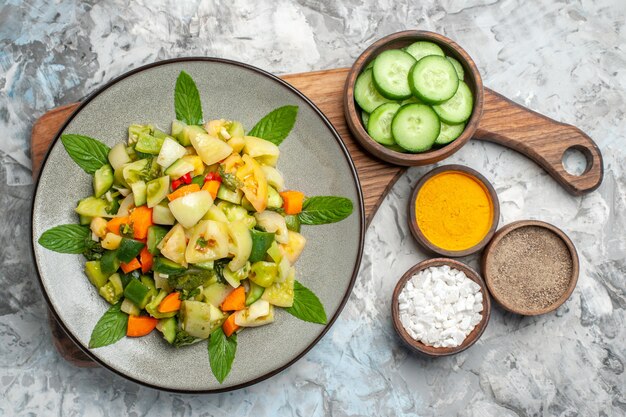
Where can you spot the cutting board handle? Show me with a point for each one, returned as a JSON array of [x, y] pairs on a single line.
[[542, 139]]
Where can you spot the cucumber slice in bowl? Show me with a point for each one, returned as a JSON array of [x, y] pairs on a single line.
[[459, 108], [433, 79], [379, 124], [415, 127], [390, 72], [420, 49], [365, 93], [460, 72], [448, 133]]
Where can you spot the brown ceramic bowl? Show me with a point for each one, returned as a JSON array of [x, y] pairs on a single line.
[[488, 257], [419, 236], [400, 40], [430, 350]]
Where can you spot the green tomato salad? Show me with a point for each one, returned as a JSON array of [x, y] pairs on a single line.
[[192, 232]]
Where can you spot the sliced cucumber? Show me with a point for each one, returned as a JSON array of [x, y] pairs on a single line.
[[460, 72], [190, 132], [118, 156], [179, 168], [448, 133], [396, 148], [433, 79], [149, 144], [223, 193], [379, 125], [92, 207], [274, 200], [415, 127], [135, 171], [365, 93], [161, 214], [156, 190], [421, 49], [365, 117], [177, 129], [459, 108], [170, 152], [102, 180], [390, 73], [411, 100], [139, 192], [370, 64]]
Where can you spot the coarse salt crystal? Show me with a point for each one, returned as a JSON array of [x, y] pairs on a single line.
[[440, 306]]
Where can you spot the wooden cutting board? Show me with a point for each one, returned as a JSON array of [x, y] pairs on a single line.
[[540, 138]]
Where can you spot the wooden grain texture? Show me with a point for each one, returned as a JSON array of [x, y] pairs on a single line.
[[401, 40]]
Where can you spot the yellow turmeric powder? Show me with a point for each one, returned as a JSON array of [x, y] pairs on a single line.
[[454, 210]]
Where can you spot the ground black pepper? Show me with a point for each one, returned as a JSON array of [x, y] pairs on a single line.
[[531, 268]]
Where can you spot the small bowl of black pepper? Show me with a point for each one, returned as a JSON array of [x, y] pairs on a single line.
[[530, 267]]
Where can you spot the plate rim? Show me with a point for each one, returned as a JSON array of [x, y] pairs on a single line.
[[361, 212]]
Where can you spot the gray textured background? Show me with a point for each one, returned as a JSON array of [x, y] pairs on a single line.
[[565, 59]]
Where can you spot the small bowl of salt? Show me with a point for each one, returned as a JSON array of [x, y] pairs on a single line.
[[440, 307]]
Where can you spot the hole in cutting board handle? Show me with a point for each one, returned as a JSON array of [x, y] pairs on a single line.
[[577, 160]]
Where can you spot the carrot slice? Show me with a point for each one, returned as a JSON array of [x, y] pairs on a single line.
[[115, 223], [212, 186], [170, 303], [145, 258], [140, 325], [141, 219], [230, 326], [292, 201], [183, 191], [236, 300], [130, 266]]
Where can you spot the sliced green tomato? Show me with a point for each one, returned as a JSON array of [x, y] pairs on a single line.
[[177, 130], [273, 222], [449, 133], [365, 93], [257, 314], [156, 190], [254, 293], [135, 130], [210, 148], [170, 152], [281, 294], [234, 277], [234, 213], [214, 213], [294, 246], [118, 157], [118, 177], [109, 262], [94, 272], [263, 273], [155, 236], [139, 189], [273, 177], [274, 200], [189, 209], [153, 306], [459, 108], [247, 205], [216, 293], [208, 242], [84, 220], [92, 207], [379, 124], [161, 214], [241, 244], [168, 328], [420, 49], [199, 319], [112, 291], [149, 144], [262, 150], [223, 193], [261, 242], [129, 249], [179, 168], [173, 245], [102, 180], [135, 171]]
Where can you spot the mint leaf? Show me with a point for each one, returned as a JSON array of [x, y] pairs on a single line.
[[325, 209], [306, 306], [110, 328], [87, 152], [221, 353], [67, 238], [276, 125], [187, 100]]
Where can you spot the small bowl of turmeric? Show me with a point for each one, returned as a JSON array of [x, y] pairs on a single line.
[[453, 211]]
